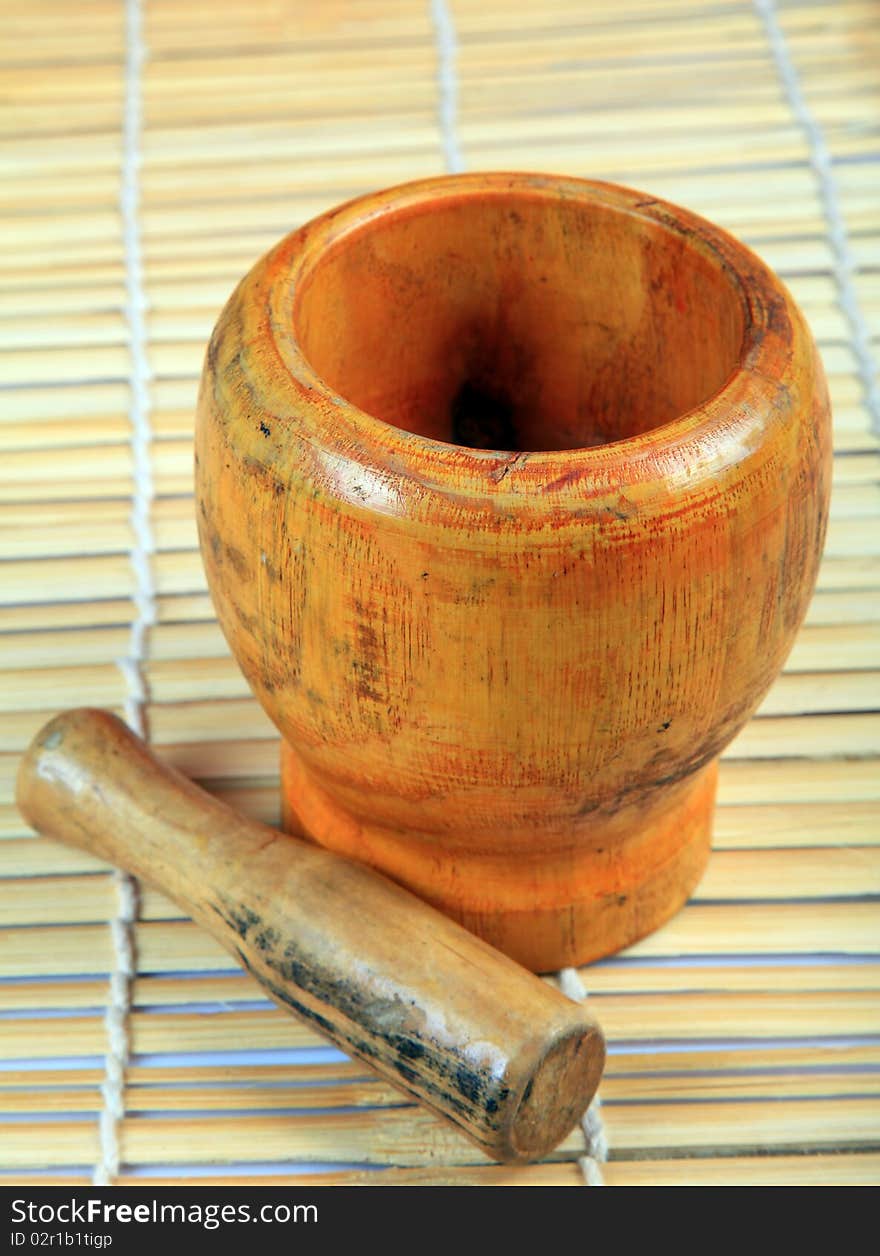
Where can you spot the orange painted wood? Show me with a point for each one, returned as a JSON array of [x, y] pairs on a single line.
[[511, 492]]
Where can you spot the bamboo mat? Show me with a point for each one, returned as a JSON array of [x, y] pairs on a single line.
[[152, 151]]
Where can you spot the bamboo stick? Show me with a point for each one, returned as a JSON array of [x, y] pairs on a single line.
[[374, 1095], [859, 1169], [830, 873], [410, 1137], [798, 825], [405, 1137], [51, 1144], [847, 573], [173, 609], [252, 195], [750, 876], [808, 736], [823, 692], [752, 98], [626, 1061], [208, 991], [838, 1169], [792, 781], [562, 113], [167, 642], [786, 928]]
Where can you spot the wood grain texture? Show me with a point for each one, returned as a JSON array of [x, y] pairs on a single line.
[[512, 492]]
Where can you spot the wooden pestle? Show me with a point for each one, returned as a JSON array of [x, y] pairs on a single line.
[[446, 1018]]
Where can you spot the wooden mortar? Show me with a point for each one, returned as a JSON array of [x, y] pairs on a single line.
[[512, 491]]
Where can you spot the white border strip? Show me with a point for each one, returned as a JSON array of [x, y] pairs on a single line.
[[592, 1125], [844, 265], [144, 596], [447, 75]]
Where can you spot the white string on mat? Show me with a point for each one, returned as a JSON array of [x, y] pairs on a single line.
[[447, 76], [592, 1125], [116, 1027], [844, 265], [116, 1019], [140, 375]]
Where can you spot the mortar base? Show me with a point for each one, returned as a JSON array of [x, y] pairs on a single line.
[[585, 894]]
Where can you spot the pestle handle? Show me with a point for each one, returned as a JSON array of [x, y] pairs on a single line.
[[447, 1019]]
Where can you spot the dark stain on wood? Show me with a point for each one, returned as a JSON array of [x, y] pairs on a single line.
[[453, 1082], [238, 562]]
